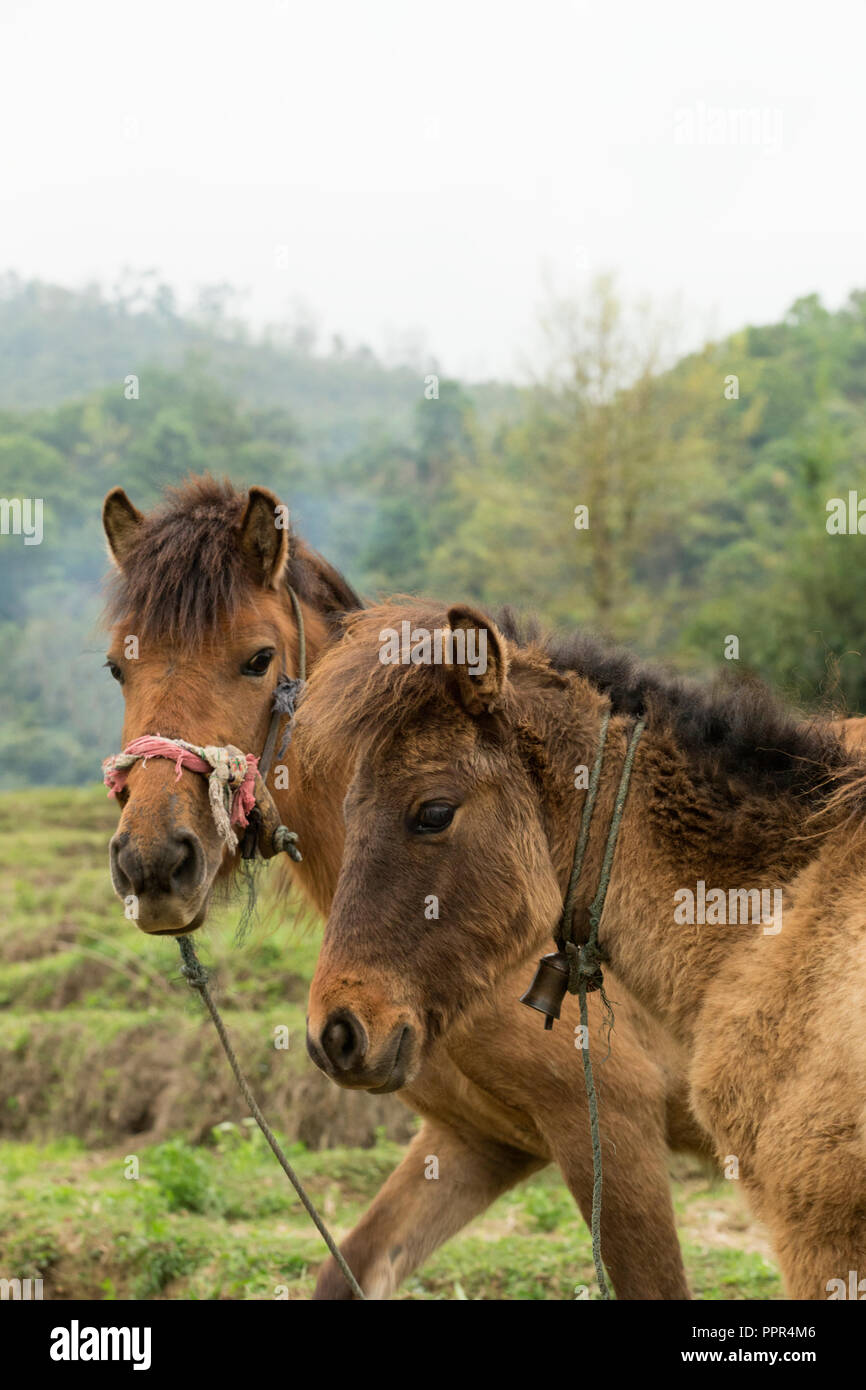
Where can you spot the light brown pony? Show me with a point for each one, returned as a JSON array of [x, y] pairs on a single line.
[[462, 795], [201, 583]]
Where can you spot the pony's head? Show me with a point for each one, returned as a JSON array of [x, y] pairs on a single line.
[[447, 877], [201, 627], [462, 812]]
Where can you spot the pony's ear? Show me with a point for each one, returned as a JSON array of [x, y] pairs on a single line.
[[481, 668], [122, 523], [264, 537]]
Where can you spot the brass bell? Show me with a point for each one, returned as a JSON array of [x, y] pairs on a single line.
[[549, 987]]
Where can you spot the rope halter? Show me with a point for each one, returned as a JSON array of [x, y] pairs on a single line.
[[231, 776]]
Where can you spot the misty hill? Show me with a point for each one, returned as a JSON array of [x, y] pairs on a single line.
[[706, 485], [58, 344]]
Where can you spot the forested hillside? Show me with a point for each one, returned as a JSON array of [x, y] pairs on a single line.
[[706, 485]]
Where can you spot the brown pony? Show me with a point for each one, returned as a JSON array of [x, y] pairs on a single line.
[[202, 585], [202, 624], [462, 796]]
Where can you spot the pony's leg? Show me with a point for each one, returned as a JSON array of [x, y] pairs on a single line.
[[639, 1242], [806, 1271], [816, 1264], [415, 1211]]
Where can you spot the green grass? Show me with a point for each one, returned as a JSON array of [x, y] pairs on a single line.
[[106, 1056], [220, 1220]]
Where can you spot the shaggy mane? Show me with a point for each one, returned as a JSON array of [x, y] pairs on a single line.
[[736, 726], [187, 574], [738, 731]]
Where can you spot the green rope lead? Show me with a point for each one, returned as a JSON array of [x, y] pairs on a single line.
[[564, 935], [591, 967], [597, 906], [197, 978], [597, 1178]]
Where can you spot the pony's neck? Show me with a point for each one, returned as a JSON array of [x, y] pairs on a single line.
[[679, 831]]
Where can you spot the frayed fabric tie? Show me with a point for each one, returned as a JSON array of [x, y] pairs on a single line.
[[231, 776]]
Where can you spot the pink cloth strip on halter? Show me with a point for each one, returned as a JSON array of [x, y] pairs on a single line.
[[243, 800]]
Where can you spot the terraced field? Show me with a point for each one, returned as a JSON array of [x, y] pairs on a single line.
[[128, 1168]]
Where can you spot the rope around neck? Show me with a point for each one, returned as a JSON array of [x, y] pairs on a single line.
[[564, 934], [286, 693], [585, 961], [197, 977]]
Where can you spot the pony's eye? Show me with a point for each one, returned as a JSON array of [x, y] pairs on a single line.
[[435, 815], [115, 670], [258, 664]]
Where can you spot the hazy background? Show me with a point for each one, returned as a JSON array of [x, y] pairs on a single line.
[[424, 168], [628, 241]]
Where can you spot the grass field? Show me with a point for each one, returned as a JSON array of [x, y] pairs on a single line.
[[128, 1168]]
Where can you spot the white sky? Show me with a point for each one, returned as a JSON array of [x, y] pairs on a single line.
[[427, 165]]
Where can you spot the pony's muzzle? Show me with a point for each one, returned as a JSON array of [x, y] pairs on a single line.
[[342, 1050], [163, 879]]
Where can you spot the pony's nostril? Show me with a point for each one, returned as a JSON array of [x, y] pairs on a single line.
[[344, 1041], [175, 865], [188, 867], [126, 865]]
